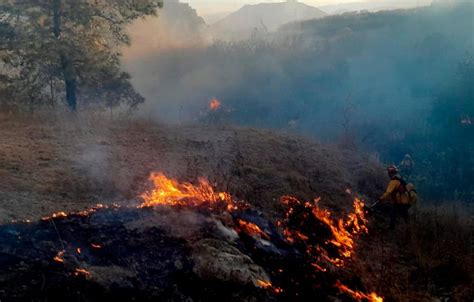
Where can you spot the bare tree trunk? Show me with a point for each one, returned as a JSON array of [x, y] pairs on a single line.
[[67, 65]]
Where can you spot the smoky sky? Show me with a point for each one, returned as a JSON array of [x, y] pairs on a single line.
[[382, 69]]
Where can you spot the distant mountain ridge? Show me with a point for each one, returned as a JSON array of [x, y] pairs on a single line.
[[373, 6], [263, 17]]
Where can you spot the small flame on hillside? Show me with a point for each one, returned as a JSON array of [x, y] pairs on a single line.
[[268, 285], [359, 296], [82, 272], [59, 256], [252, 229], [214, 104], [56, 215]]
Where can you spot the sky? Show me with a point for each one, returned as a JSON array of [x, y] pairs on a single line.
[[216, 6]]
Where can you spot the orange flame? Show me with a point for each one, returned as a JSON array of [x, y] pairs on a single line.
[[59, 256], [359, 296], [55, 215], [268, 285], [82, 271], [252, 229], [214, 104], [343, 231], [169, 192]]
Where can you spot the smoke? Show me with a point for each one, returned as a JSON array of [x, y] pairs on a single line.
[[384, 69], [177, 26]]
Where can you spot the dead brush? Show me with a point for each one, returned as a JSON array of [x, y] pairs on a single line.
[[429, 257]]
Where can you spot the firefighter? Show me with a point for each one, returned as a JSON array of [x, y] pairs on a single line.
[[407, 164], [397, 196]]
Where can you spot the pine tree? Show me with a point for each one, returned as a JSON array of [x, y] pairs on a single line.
[[68, 49]]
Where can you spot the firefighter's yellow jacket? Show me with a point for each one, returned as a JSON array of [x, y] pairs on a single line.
[[394, 194]]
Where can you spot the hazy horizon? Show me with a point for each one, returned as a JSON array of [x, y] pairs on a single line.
[[206, 7]]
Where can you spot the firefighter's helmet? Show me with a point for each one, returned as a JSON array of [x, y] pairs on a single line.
[[392, 170]]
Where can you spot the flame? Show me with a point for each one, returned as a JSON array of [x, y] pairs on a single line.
[[343, 231], [89, 211], [342, 236], [60, 214], [322, 252], [170, 192], [214, 104], [359, 296], [59, 256], [268, 285], [318, 267], [82, 272], [264, 284], [252, 229]]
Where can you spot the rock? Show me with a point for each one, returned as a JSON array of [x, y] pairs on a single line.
[[214, 259]]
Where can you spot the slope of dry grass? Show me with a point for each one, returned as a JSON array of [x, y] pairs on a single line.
[[65, 163]]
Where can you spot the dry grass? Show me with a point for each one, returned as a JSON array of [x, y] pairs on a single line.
[[68, 163], [428, 259]]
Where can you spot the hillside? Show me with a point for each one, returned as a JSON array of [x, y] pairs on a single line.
[[309, 75], [59, 164], [66, 165], [263, 17]]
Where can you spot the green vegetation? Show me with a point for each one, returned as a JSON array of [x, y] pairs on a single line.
[[53, 50]]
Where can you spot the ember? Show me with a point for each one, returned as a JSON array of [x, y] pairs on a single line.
[[55, 215], [359, 296], [252, 229], [96, 246], [268, 285], [59, 256], [82, 272]]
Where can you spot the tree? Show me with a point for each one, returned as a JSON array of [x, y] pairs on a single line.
[[68, 48]]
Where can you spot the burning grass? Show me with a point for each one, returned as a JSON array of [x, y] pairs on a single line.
[[167, 191], [335, 248], [327, 246], [300, 258], [359, 296]]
